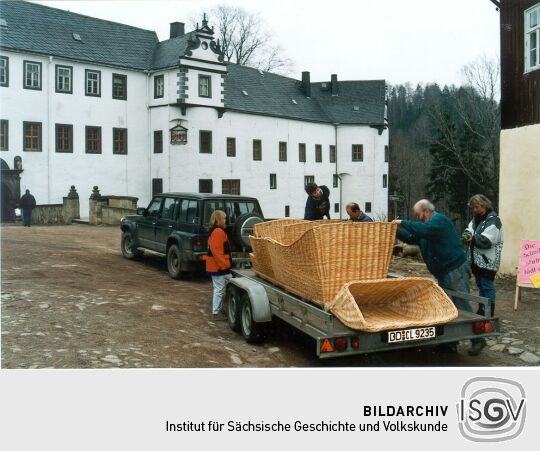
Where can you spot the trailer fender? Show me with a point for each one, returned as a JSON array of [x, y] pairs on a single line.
[[260, 305]]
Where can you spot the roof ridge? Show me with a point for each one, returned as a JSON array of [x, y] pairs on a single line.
[[86, 16], [351, 81], [265, 71], [176, 37]]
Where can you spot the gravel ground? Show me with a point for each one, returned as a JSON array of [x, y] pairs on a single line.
[[69, 300]]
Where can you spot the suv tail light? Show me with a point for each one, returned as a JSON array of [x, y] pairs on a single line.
[[198, 243]]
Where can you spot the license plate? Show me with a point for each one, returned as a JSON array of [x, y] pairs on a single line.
[[422, 333]]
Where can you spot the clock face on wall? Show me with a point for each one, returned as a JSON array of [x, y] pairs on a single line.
[[204, 45]]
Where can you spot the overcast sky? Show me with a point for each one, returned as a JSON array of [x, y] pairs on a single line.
[[397, 40]]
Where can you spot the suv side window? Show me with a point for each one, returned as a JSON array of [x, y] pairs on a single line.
[[209, 207], [189, 211], [193, 212], [153, 208], [169, 206], [236, 208]]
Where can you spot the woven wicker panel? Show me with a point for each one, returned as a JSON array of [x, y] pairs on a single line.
[[291, 232], [325, 256], [260, 258], [273, 229], [385, 304]]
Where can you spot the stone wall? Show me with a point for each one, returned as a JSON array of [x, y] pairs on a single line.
[[53, 214], [110, 209], [48, 214]]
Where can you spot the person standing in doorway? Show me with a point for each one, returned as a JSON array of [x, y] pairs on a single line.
[[27, 204], [218, 261]]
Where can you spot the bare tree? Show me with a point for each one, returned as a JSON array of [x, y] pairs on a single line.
[[246, 40], [479, 107]]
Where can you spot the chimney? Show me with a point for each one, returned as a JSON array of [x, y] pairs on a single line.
[[306, 84], [333, 83], [177, 29]]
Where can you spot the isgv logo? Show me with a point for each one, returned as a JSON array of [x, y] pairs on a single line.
[[491, 409]]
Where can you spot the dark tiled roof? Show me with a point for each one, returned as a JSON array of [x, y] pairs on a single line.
[[49, 31], [167, 53], [356, 102], [41, 29], [273, 95], [269, 94]]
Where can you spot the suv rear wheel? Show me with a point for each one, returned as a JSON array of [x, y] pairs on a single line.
[[127, 244]]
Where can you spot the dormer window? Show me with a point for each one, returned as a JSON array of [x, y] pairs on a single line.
[[205, 86]]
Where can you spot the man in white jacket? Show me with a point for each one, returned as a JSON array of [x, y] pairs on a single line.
[[485, 239]]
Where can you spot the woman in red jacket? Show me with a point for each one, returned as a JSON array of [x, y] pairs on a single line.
[[218, 260]]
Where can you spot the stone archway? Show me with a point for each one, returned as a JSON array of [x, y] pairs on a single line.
[[10, 191]]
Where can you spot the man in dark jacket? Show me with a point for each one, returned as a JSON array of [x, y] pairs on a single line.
[[442, 251], [317, 203], [355, 214], [27, 204], [441, 248]]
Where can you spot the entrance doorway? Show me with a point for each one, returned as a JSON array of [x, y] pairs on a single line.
[[10, 191]]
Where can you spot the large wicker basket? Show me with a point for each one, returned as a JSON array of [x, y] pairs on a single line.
[[314, 259], [377, 305]]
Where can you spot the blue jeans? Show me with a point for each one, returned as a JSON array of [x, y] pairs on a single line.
[[486, 288], [218, 283], [27, 216], [458, 280]]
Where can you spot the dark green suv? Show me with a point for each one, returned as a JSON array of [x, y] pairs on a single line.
[[176, 226]]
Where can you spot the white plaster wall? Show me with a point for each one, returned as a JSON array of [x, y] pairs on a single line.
[[49, 174], [519, 187], [363, 180], [169, 93], [187, 165], [193, 88]]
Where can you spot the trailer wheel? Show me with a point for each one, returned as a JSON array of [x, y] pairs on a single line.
[[252, 331], [233, 300]]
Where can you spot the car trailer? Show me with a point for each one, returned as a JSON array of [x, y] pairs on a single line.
[[252, 302]]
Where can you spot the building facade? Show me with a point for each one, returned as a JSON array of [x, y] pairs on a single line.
[[89, 102], [520, 127]]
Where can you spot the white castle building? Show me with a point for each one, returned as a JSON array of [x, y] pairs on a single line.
[[88, 102]]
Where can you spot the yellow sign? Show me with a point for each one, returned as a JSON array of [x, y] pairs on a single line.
[[535, 279]]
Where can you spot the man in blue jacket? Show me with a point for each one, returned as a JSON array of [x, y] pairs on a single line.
[[317, 203], [441, 248]]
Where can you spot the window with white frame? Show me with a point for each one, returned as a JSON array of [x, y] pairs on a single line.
[[93, 83], [205, 87], [32, 75], [532, 38], [159, 86], [63, 79]]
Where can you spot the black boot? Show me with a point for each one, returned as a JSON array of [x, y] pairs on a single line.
[[477, 344], [481, 310]]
